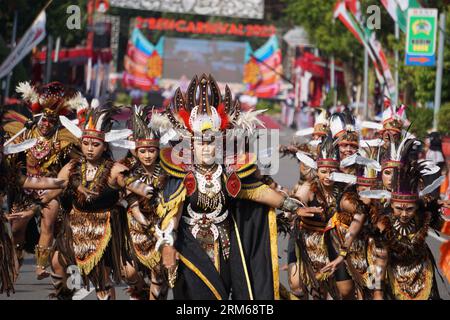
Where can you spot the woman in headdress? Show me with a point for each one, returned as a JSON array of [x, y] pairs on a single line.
[[142, 214], [320, 193], [218, 216], [411, 266], [345, 136], [94, 236], [347, 233], [307, 174]]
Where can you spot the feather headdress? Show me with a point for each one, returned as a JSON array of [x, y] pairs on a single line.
[[394, 117], [343, 129], [367, 168], [144, 134], [328, 154], [52, 99], [203, 109], [96, 122], [321, 126], [408, 173]]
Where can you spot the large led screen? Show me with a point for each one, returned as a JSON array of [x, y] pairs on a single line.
[[187, 57]]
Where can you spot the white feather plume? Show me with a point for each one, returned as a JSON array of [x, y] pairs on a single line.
[[304, 132], [78, 102], [126, 144], [115, 135], [349, 161], [371, 143], [159, 121], [358, 159], [369, 163], [343, 177], [336, 125], [98, 125], [249, 120], [72, 127], [375, 194], [27, 91], [371, 125], [430, 168], [314, 143], [307, 160], [95, 103], [433, 186], [19, 147]]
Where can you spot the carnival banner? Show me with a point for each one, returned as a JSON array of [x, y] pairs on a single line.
[[263, 69], [31, 38], [205, 27], [143, 62], [253, 9]]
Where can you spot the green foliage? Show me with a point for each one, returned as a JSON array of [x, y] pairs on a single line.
[[416, 83], [444, 119], [122, 98], [421, 120], [271, 106]]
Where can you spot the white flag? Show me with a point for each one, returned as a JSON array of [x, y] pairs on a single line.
[[35, 34]]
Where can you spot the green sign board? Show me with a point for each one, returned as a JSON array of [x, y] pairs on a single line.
[[421, 37]]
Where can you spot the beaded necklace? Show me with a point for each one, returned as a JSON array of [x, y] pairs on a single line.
[[99, 172]]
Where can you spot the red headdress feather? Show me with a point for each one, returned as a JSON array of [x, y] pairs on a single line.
[[223, 116], [36, 107], [185, 116]]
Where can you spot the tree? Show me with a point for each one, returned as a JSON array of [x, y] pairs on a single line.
[[56, 26], [416, 83]]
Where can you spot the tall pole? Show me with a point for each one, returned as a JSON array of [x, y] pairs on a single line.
[[397, 90], [366, 84], [48, 65], [333, 81], [440, 65], [13, 44]]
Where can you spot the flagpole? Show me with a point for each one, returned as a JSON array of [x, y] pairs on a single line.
[[366, 83], [397, 37], [48, 63], [42, 10], [440, 65], [13, 44]]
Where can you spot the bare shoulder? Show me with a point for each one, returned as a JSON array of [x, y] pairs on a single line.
[[304, 192]]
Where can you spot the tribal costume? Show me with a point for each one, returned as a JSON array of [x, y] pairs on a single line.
[[307, 174], [142, 236], [95, 236], [227, 243], [53, 148], [313, 253], [11, 181], [345, 136], [352, 211], [411, 266]]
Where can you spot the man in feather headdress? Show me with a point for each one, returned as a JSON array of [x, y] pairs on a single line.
[[54, 147], [218, 235]]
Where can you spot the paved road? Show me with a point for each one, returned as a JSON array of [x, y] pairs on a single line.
[[28, 288]]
